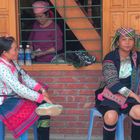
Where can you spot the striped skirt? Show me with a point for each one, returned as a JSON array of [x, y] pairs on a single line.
[[18, 115]]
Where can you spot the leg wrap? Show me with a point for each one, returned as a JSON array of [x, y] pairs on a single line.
[[109, 132], [43, 128], [135, 130]]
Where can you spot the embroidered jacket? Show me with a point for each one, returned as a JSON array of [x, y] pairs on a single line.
[[111, 70], [10, 84]]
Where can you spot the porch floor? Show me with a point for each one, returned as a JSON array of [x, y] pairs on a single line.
[[61, 137]]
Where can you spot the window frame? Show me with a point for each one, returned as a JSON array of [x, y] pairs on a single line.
[[48, 67], [44, 67]]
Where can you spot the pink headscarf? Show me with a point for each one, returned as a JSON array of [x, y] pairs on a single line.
[[39, 7]]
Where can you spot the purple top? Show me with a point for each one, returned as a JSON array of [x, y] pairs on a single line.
[[51, 37]]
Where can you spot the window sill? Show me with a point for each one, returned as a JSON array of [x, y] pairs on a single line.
[[47, 67]]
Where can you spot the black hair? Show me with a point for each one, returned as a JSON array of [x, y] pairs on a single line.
[[6, 43]]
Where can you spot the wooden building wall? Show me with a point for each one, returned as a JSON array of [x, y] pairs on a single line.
[[8, 17], [117, 13]]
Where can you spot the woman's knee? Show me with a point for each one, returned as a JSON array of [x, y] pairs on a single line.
[[111, 117], [135, 112]]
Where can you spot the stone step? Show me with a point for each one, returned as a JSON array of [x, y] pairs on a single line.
[[62, 137]]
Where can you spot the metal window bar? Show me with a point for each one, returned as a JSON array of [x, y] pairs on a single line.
[[95, 17]]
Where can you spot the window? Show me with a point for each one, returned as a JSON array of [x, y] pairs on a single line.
[[71, 26]]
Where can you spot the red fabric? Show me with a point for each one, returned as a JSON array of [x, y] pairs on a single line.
[[19, 120], [37, 87], [40, 99]]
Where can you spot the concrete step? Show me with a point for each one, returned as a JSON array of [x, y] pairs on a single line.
[[62, 137]]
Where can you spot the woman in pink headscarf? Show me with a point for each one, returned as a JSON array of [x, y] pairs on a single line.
[[46, 36]]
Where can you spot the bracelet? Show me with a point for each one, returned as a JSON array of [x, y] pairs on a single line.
[[43, 90], [124, 91]]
